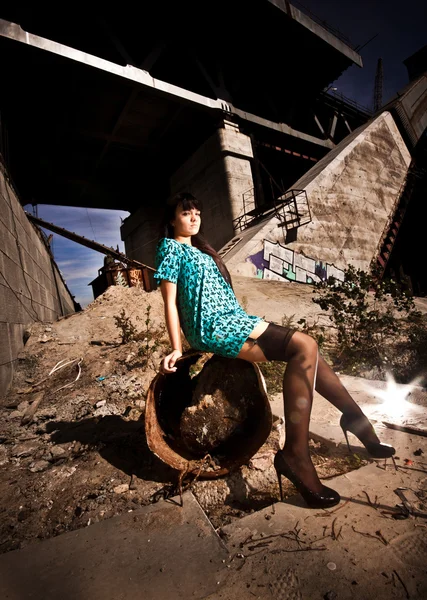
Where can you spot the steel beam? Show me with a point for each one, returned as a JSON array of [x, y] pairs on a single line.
[[333, 125], [81, 239], [319, 125], [14, 32]]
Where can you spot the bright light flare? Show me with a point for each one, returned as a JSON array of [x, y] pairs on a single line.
[[394, 395]]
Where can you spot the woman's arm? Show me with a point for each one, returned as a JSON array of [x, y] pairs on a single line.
[[169, 291]]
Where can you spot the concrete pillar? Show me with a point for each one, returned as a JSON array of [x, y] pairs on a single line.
[[217, 174]]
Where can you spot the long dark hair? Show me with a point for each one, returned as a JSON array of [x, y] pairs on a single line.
[[187, 201]]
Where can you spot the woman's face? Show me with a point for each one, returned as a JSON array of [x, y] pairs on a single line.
[[187, 221]]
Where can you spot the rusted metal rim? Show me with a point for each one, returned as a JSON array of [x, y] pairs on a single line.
[[160, 445]]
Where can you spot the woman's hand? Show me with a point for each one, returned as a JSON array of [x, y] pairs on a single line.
[[168, 363]]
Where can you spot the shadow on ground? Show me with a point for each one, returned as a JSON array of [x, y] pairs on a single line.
[[121, 443]]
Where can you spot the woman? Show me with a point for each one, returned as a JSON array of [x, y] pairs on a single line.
[[198, 296]]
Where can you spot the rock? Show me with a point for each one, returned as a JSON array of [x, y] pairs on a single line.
[[44, 338], [120, 489], [211, 493], [83, 411], [77, 447], [16, 414], [38, 466], [140, 404], [3, 456], [23, 406], [58, 452], [13, 404], [262, 461], [101, 403], [45, 414], [105, 411], [26, 449], [133, 414]]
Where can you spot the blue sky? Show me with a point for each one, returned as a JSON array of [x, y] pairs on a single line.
[[401, 29], [79, 265]]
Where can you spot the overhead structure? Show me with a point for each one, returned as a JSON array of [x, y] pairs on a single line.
[[118, 102]]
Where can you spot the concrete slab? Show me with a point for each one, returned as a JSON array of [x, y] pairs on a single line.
[[353, 551], [158, 552]]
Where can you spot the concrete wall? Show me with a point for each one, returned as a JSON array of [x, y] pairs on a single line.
[[218, 174], [352, 192], [31, 287]]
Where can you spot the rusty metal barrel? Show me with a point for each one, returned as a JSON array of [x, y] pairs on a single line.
[[170, 396]]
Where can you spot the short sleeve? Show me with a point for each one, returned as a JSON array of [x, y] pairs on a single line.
[[168, 260]]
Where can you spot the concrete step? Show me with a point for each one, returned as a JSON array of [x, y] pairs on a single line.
[[354, 550], [162, 551]]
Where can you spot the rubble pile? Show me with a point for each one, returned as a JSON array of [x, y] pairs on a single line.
[[73, 449]]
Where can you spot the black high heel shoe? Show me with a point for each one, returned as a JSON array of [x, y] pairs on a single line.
[[324, 499], [356, 426]]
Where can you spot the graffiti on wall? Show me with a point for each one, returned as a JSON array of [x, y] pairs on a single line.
[[281, 264]]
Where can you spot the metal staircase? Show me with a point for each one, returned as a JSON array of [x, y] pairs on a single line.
[[391, 230], [291, 209]]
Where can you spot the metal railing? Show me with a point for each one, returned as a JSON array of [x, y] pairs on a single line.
[[346, 100], [291, 208]]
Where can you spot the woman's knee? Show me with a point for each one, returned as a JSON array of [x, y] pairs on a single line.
[[302, 344]]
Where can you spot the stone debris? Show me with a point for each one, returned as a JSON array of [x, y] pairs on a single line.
[[121, 489], [25, 449], [16, 414], [262, 461], [106, 410], [4, 459], [57, 452], [87, 439], [38, 466]]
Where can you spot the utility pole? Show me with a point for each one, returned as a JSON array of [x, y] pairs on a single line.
[[378, 89]]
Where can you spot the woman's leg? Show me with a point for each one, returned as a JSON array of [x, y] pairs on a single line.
[[301, 354], [298, 385], [330, 387]]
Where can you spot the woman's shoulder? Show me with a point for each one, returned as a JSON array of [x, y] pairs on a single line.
[[168, 244]]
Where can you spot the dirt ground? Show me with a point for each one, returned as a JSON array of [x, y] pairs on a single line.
[[83, 457]]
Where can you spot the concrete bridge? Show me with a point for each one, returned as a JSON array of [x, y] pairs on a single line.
[[232, 101]]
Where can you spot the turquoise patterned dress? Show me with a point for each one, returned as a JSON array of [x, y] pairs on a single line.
[[211, 318]]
